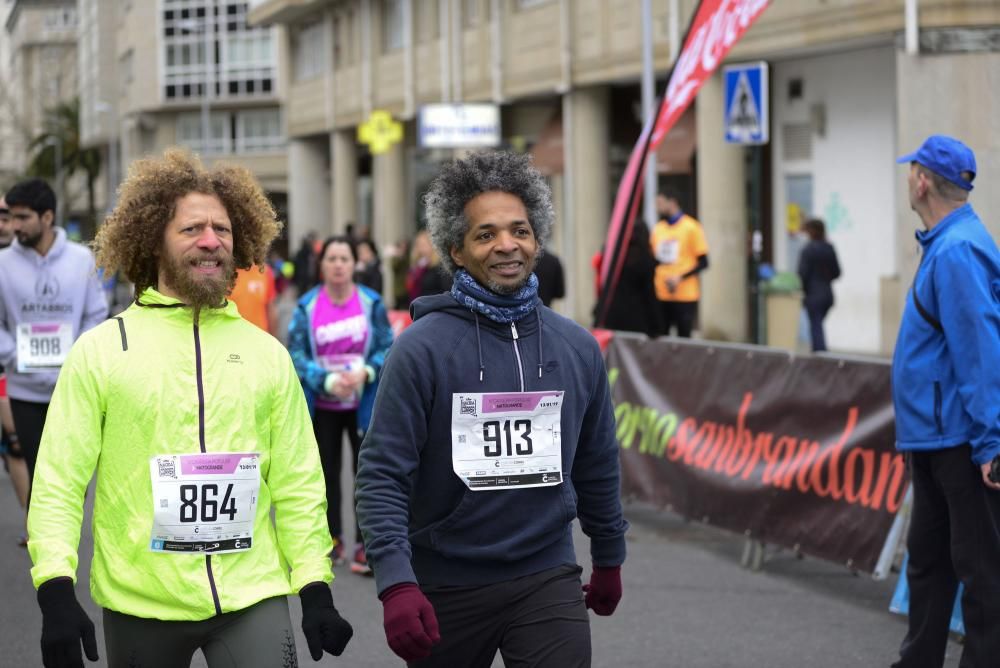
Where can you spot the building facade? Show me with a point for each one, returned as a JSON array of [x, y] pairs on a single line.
[[38, 72], [191, 73], [853, 84]]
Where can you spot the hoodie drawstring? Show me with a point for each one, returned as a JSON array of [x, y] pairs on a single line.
[[538, 316], [479, 345]]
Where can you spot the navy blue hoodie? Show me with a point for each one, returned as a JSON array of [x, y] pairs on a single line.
[[419, 520]]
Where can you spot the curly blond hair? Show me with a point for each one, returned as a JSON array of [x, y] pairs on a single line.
[[131, 239]]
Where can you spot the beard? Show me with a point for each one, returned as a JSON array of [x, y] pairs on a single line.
[[27, 240], [202, 291], [508, 290]]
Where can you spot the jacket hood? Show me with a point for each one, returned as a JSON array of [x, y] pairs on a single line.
[[421, 306], [57, 248]]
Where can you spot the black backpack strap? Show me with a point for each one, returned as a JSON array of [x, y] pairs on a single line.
[[931, 320]]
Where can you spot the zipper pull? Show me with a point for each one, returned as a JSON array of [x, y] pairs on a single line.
[[513, 331]]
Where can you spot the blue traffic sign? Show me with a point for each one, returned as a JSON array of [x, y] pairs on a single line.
[[745, 105]]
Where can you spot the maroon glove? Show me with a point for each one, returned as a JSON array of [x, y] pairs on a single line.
[[410, 625], [605, 589]]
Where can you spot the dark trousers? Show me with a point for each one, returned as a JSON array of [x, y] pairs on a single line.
[[29, 421], [680, 315], [536, 621], [329, 427], [954, 536], [258, 636], [816, 313]]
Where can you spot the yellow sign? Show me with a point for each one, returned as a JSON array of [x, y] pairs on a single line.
[[793, 218], [380, 132]]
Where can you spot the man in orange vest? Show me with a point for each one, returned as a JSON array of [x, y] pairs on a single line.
[[681, 252], [254, 295]]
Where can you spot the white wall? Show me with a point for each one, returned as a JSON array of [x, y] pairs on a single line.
[[853, 178]]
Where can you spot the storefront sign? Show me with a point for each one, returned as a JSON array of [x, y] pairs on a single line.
[[459, 125]]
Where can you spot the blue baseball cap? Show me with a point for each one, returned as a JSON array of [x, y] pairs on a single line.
[[947, 157]]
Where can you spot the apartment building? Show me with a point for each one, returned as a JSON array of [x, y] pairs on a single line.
[[191, 73], [37, 72], [853, 84]]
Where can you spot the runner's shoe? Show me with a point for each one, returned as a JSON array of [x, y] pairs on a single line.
[[359, 564], [337, 555]]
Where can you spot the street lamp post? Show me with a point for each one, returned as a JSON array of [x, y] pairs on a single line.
[[56, 144], [206, 28]]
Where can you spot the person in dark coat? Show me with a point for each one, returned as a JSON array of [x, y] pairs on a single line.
[[634, 306], [425, 276], [551, 280], [818, 268], [368, 268]]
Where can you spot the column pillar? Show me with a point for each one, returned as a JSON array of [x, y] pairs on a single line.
[[587, 203], [308, 198], [389, 206], [722, 210], [344, 177]]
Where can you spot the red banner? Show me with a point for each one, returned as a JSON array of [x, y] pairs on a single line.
[[716, 26]]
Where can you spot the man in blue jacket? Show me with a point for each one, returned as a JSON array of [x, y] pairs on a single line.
[[493, 429], [946, 385]]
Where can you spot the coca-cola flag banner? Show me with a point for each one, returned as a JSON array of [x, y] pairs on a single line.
[[792, 451], [715, 27]]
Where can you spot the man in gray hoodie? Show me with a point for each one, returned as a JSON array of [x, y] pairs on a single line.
[[49, 295]]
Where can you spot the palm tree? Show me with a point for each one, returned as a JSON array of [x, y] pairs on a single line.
[[61, 127]]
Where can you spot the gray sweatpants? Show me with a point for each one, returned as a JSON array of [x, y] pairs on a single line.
[[256, 637], [535, 621]]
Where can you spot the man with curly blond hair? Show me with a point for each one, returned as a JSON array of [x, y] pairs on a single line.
[[195, 423]]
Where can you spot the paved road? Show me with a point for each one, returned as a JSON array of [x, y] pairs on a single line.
[[688, 603]]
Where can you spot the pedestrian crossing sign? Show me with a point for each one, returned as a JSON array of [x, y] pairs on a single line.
[[745, 104]]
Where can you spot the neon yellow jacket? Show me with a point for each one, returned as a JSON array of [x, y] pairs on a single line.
[[149, 382]]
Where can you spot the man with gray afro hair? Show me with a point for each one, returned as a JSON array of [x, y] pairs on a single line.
[[462, 180], [492, 430]]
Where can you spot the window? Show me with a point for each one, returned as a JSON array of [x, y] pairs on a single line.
[[470, 15], [426, 15], [307, 49], [238, 58], [338, 43], [344, 41], [258, 131], [189, 132], [125, 72], [392, 25], [60, 19]]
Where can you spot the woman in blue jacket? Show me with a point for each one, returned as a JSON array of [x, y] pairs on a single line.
[[338, 339]]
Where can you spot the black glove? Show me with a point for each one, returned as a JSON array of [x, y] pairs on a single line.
[[322, 625], [64, 625]]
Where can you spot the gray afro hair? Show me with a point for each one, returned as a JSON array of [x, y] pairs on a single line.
[[488, 171]]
